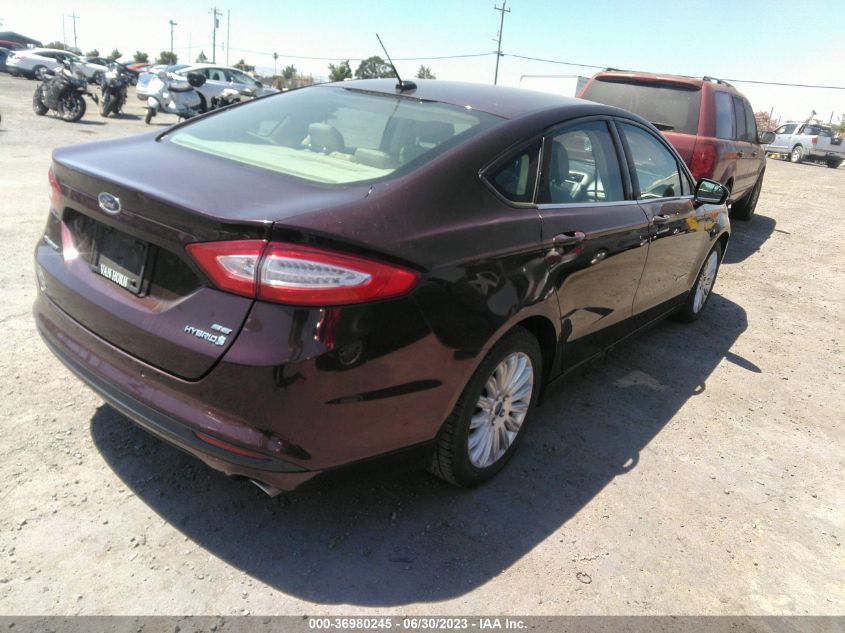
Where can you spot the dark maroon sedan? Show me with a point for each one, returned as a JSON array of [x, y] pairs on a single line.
[[358, 270]]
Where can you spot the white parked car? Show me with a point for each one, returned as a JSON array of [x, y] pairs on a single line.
[[34, 62], [217, 79]]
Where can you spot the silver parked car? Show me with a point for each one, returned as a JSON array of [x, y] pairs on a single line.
[[35, 62], [217, 79]]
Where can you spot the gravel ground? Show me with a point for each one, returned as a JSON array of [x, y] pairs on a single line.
[[698, 470]]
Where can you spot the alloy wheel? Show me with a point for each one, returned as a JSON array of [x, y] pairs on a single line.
[[500, 410], [705, 281]]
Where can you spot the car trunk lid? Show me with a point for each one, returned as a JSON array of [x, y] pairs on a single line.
[[114, 255]]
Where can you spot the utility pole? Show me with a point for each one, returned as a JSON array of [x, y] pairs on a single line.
[[64, 35], [172, 24], [275, 66], [502, 10], [189, 48], [214, 12], [228, 28], [74, 17]]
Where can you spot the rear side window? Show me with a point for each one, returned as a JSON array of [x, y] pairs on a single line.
[[657, 171], [581, 166], [724, 116], [739, 113], [514, 179], [669, 107]]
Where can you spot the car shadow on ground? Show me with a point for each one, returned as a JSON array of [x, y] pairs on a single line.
[[401, 539], [748, 237]]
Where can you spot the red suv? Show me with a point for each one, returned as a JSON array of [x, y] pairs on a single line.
[[709, 122]]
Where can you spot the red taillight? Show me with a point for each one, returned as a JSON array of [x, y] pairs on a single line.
[[299, 275], [230, 266], [703, 159], [814, 140], [55, 190]]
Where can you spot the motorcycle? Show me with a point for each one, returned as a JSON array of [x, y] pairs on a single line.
[[62, 91], [230, 96], [175, 94], [113, 91]]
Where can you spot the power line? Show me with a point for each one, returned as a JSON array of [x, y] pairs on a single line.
[[552, 61], [778, 83], [747, 81], [359, 59]]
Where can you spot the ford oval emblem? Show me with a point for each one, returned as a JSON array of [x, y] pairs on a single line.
[[109, 203]]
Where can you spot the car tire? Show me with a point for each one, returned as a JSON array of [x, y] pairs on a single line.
[[38, 105], [488, 421], [833, 163], [699, 294], [797, 154], [744, 209], [39, 72]]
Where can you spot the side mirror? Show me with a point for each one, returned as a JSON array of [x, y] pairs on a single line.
[[710, 192], [767, 137]]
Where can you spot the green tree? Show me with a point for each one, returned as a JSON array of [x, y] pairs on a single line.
[[244, 66], [56, 45], [166, 57], [373, 67], [839, 128], [340, 71], [425, 73], [201, 58], [141, 58], [115, 55], [289, 72], [93, 53]]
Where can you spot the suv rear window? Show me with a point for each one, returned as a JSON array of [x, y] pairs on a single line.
[[669, 107], [333, 135], [818, 130]]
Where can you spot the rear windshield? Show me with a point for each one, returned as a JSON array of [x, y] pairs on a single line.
[[818, 130], [669, 107], [333, 135]]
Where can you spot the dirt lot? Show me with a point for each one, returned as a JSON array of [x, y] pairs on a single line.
[[699, 470]]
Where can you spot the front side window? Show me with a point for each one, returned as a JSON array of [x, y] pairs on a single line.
[[657, 171], [789, 128], [750, 123], [580, 165], [333, 135]]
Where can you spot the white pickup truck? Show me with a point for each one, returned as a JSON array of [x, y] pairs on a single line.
[[807, 141]]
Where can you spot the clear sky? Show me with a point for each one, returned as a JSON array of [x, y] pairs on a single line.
[[764, 40]]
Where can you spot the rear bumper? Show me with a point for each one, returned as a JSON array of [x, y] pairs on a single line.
[[305, 419], [274, 471]]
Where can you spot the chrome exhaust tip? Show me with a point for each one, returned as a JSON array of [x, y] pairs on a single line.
[[270, 491]]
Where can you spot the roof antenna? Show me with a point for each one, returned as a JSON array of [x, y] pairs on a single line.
[[402, 85]]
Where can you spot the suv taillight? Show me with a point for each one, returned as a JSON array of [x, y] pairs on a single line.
[[703, 160], [814, 140], [298, 275]]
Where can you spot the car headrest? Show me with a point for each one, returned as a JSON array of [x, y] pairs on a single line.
[[325, 138]]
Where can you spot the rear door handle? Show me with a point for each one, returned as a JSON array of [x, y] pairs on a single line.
[[568, 239], [662, 219]]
